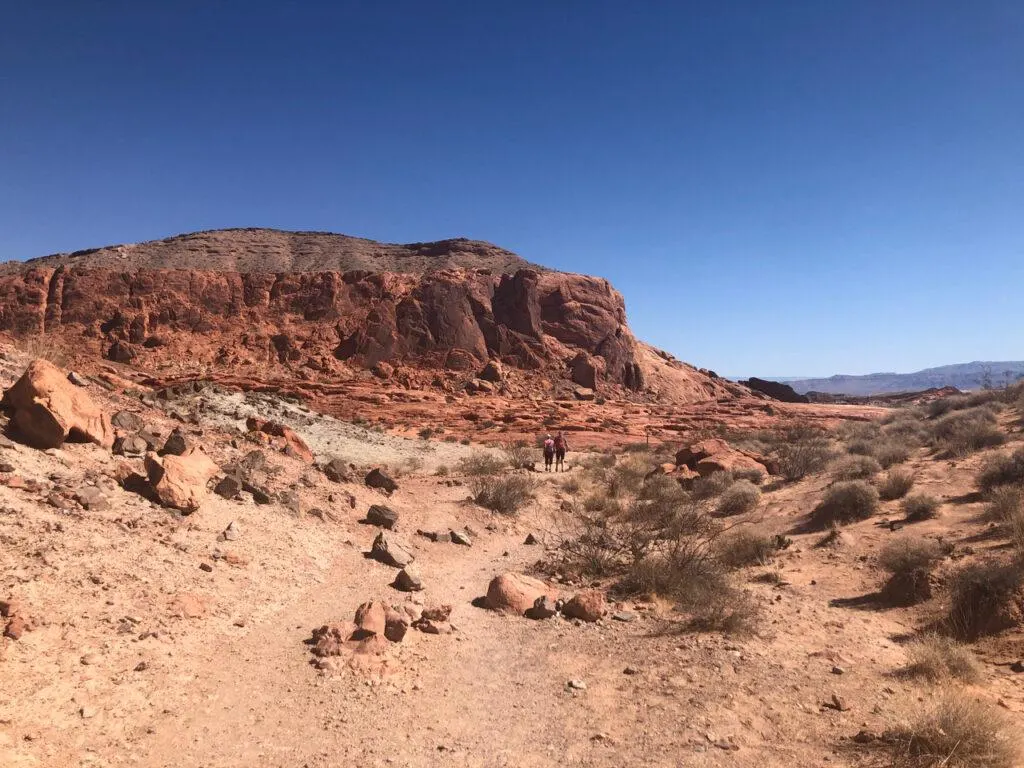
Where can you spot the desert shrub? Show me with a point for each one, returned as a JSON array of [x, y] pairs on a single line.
[[710, 486], [920, 506], [627, 476], [481, 463], [963, 432], [906, 555], [40, 345], [959, 733], [426, 433], [441, 471], [860, 447], [465, 441], [1002, 469], [895, 484], [410, 466], [907, 428], [571, 485], [602, 502], [598, 461], [856, 468], [755, 476], [1004, 503], [803, 457], [890, 451], [636, 448], [846, 503], [519, 455], [937, 658], [745, 546], [740, 497], [855, 432], [943, 405], [986, 598], [504, 495]]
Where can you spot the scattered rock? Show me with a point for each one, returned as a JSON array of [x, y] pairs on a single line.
[[385, 517], [626, 616], [395, 625], [409, 579], [516, 593], [337, 471], [460, 537], [77, 379], [16, 627], [371, 619], [228, 487], [390, 552], [92, 498], [231, 533], [378, 479], [588, 605], [492, 372], [206, 567], [130, 445], [543, 608], [128, 421], [435, 535], [48, 409], [576, 685], [177, 444], [838, 703], [285, 438], [530, 540], [6, 467]]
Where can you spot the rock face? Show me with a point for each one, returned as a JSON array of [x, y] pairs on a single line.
[[776, 390], [48, 409], [516, 594]]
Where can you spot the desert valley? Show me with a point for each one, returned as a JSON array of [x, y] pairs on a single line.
[[278, 499]]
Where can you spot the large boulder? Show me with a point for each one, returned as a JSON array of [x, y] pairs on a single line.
[[731, 461], [48, 409], [776, 390], [691, 454], [180, 482], [516, 593]]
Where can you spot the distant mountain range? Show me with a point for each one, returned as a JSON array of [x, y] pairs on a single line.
[[976, 375]]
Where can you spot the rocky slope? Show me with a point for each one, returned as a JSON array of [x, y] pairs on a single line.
[[257, 304]]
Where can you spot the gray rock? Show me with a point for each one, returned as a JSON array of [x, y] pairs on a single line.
[[435, 535], [624, 616], [383, 516], [576, 685], [338, 471], [128, 421], [229, 487], [177, 444], [92, 498], [409, 579], [389, 551], [461, 537], [132, 445], [543, 608], [231, 533], [6, 466], [77, 379], [530, 540]]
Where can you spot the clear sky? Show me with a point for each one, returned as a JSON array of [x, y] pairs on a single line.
[[800, 187]]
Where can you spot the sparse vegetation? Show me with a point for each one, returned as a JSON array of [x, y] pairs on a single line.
[[937, 658], [480, 463], [426, 433], [896, 484], [959, 733], [1005, 503], [986, 598], [844, 503], [1002, 469], [907, 555], [710, 486], [856, 468], [746, 546], [505, 495], [519, 454], [740, 497], [963, 432], [920, 506], [803, 457]]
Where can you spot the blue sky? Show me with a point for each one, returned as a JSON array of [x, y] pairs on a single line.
[[797, 187]]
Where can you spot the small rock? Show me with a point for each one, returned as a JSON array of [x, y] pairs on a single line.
[[383, 516], [177, 444], [378, 479], [576, 685], [87, 712], [205, 567], [530, 540], [92, 498], [588, 605], [337, 471], [624, 616], [89, 659], [77, 379], [865, 737], [543, 608], [631, 671], [141, 666], [409, 579], [6, 467], [1017, 666], [461, 537], [231, 533], [435, 535], [838, 703], [128, 421], [390, 552], [16, 627], [130, 445], [228, 487], [838, 670]]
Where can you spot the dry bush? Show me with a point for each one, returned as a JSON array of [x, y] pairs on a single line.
[[1004, 503], [944, 405], [42, 346], [519, 455], [710, 486], [627, 476], [920, 506], [963, 432], [845, 503], [755, 476], [599, 501], [857, 432], [803, 457], [441, 471], [896, 484], [744, 547], [889, 452], [598, 461], [959, 733], [1002, 469], [936, 658], [740, 497], [856, 468], [907, 555], [504, 495], [986, 598], [571, 485], [480, 463]]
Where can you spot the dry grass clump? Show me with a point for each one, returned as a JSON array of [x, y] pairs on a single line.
[[746, 546], [480, 463], [1002, 469], [986, 598], [959, 733], [920, 506], [505, 495], [710, 486], [889, 452], [856, 468], [1005, 502], [963, 432], [937, 658], [740, 497], [845, 503], [907, 555], [896, 484], [755, 476], [42, 346]]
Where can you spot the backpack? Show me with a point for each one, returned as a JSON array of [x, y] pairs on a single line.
[[560, 443]]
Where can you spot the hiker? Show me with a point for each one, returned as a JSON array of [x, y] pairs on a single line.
[[549, 452], [561, 446]]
